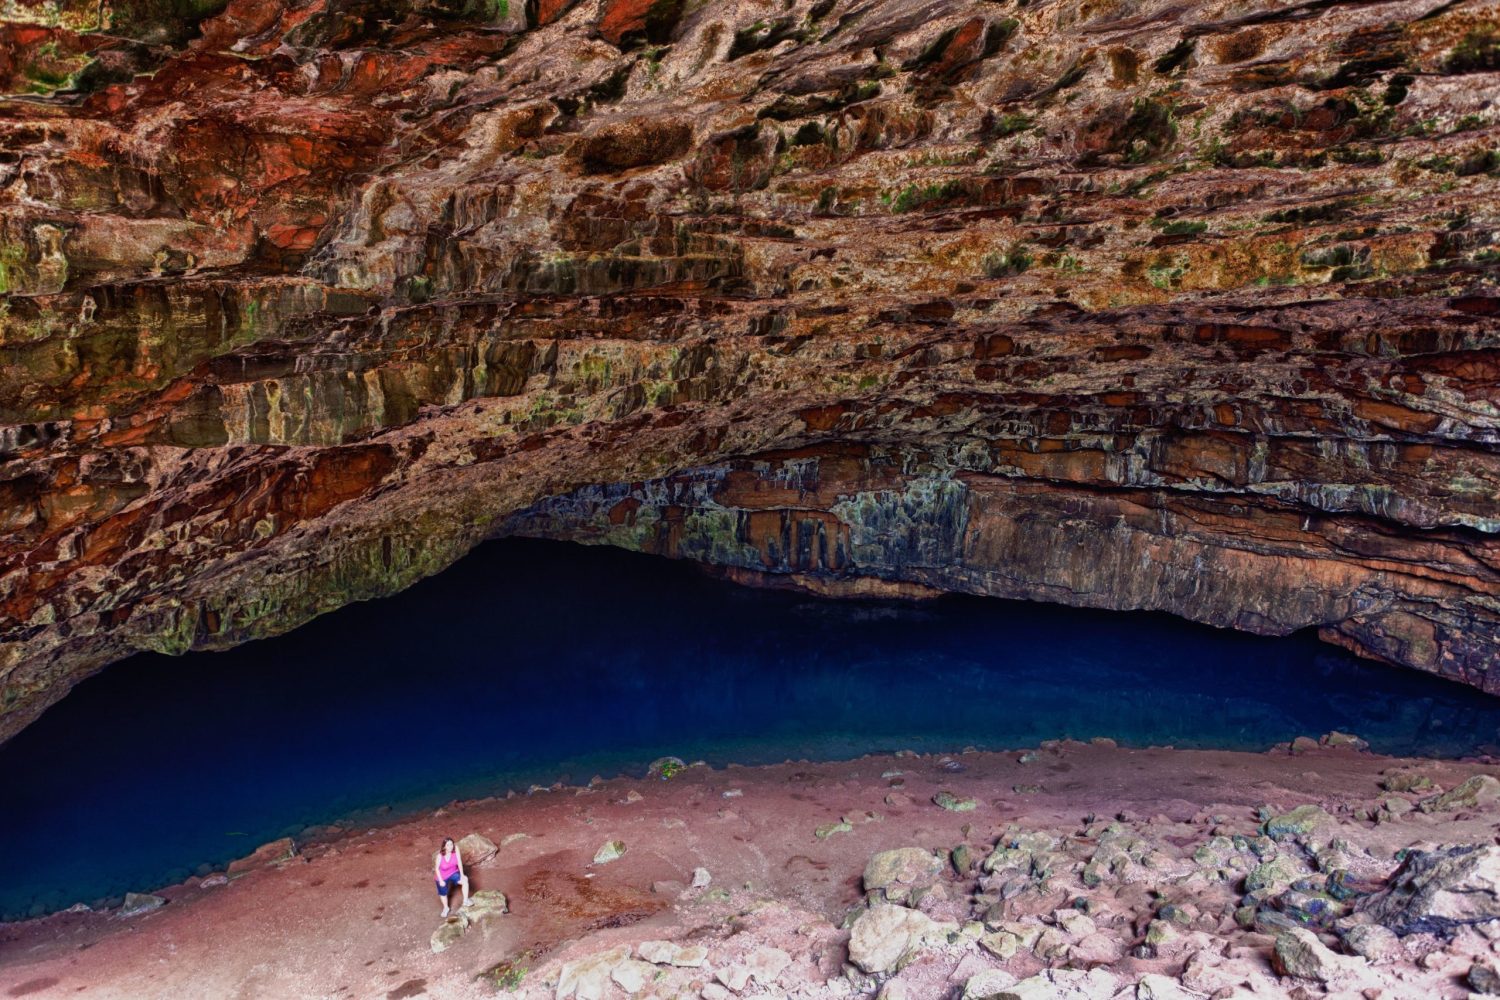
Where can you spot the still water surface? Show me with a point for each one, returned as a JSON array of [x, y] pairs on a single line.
[[531, 660]]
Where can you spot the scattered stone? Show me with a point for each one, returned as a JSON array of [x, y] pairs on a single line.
[[1440, 890], [476, 849], [885, 937], [829, 829], [1304, 744], [214, 880], [1484, 979], [1298, 952], [1406, 781], [137, 903], [1300, 823], [713, 991], [900, 873], [611, 851], [988, 985], [736, 977], [701, 878], [670, 953], [766, 964], [952, 803], [1479, 790], [1157, 987], [1373, 942], [1345, 740], [667, 887], [632, 797]]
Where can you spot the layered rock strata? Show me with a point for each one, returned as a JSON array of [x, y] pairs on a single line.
[[1188, 307]]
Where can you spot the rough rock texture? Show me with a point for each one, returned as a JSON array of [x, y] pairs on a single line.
[[1177, 306]]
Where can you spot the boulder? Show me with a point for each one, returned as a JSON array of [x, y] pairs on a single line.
[[589, 978], [1298, 952], [1373, 942], [476, 849], [137, 903], [885, 937], [487, 903], [1299, 824], [1440, 890], [899, 873], [1484, 979], [1477, 791]]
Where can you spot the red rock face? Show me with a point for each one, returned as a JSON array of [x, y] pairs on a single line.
[[1190, 308]]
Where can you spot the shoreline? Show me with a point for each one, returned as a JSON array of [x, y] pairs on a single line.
[[371, 819], [353, 916]]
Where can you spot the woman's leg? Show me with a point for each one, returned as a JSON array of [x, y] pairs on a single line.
[[443, 892], [463, 880]]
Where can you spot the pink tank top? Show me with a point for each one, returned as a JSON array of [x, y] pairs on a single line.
[[448, 865]]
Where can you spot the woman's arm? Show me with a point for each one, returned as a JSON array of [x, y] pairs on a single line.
[[437, 870]]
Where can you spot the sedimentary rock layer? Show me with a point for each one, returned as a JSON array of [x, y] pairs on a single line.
[[1189, 307]]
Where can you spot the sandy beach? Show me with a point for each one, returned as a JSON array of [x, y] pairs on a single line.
[[785, 850]]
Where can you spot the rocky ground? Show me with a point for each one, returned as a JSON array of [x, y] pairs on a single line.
[[1070, 871], [1127, 303]]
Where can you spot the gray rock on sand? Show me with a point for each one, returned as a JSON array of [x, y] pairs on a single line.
[[701, 878], [137, 903], [611, 850], [899, 873], [476, 849], [886, 937], [1440, 890]]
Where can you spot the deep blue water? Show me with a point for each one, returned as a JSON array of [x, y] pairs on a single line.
[[531, 660]]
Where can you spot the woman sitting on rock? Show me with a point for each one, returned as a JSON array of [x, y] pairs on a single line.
[[449, 867]]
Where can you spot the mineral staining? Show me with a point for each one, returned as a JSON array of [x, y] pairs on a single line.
[[1189, 308]]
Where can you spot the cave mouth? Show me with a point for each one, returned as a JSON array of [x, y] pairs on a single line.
[[530, 661]]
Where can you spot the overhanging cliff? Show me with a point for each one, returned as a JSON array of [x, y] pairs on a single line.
[[1188, 307]]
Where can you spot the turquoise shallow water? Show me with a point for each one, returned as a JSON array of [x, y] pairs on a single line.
[[530, 660]]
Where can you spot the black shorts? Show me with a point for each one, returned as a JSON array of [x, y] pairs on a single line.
[[451, 881]]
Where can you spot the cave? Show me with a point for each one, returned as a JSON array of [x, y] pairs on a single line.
[[890, 499]]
